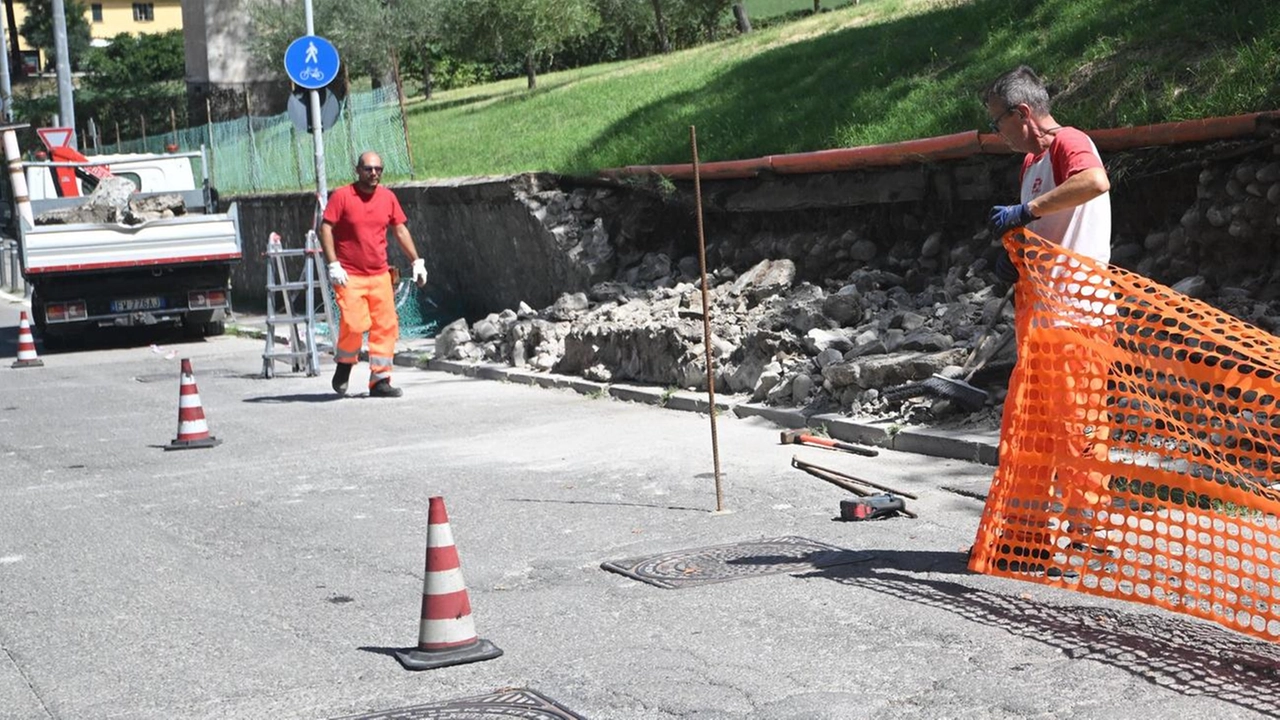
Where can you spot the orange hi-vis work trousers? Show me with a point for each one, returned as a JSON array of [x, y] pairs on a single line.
[[367, 304]]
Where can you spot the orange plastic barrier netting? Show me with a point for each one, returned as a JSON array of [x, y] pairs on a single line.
[[1140, 439]]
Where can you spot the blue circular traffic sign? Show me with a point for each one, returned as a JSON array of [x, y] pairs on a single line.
[[311, 61]]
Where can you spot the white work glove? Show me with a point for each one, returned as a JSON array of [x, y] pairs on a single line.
[[337, 275], [420, 272]]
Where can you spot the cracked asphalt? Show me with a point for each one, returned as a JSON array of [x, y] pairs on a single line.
[[274, 575]]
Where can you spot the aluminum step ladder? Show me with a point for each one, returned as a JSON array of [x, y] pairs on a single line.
[[303, 349]]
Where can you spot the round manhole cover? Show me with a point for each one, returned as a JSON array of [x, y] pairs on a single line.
[[721, 563], [522, 703]]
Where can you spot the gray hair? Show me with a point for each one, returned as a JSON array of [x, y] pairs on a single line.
[[1019, 86]]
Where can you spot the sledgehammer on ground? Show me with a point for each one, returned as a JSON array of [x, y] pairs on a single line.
[[800, 437]]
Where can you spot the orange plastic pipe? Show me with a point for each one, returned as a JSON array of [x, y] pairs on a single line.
[[946, 147], [1178, 133], [956, 147]]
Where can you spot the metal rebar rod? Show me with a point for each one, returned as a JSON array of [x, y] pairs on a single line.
[[706, 316]]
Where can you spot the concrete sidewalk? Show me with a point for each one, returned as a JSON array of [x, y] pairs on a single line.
[[978, 446]]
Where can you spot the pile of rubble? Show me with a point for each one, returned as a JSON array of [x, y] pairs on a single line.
[[835, 315], [113, 200], [772, 339]]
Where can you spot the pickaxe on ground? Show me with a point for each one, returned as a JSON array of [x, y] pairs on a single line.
[[851, 483], [800, 437]]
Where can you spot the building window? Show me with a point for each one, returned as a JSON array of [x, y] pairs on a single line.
[[144, 12], [96, 12]]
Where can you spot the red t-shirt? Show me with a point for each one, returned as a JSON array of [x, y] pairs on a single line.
[[360, 225], [1070, 152]]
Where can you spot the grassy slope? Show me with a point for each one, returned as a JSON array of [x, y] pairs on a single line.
[[882, 71]]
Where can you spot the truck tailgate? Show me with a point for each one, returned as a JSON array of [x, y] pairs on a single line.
[[92, 246]]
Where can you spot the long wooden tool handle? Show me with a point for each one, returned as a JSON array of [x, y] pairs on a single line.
[[796, 462], [823, 475], [843, 484], [836, 445], [856, 449]]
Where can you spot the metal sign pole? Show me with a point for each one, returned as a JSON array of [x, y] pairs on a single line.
[[66, 103], [322, 185]]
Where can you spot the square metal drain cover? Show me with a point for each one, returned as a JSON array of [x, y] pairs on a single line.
[[175, 377], [722, 563], [520, 703]]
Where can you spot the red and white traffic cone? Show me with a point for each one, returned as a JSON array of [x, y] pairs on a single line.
[[193, 431], [26, 346], [447, 634]]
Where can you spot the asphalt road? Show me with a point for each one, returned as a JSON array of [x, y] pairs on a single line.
[[273, 576]]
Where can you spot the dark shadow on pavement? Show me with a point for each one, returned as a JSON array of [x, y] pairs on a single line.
[[1183, 654], [908, 560], [9, 342], [322, 397], [166, 337], [389, 652], [610, 504]]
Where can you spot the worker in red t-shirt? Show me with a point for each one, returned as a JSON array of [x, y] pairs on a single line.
[[1065, 199], [1065, 194], [354, 237]]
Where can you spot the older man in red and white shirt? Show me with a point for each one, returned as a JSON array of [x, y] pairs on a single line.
[[1065, 191]]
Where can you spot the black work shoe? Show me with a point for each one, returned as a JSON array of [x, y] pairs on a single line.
[[383, 388], [341, 374]]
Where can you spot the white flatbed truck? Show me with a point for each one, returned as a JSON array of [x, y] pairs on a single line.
[[85, 276]]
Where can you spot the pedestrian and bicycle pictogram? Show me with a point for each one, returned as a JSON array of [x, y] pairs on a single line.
[[311, 62]]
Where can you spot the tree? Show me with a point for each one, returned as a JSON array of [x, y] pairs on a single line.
[[15, 53], [276, 23], [368, 34], [136, 59], [740, 15], [664, 43], [523, 30], [625, 30], [707, 14], [37, 28], [136, 79], [420, 35]]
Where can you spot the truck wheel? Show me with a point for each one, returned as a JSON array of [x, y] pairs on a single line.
[[215, 328]]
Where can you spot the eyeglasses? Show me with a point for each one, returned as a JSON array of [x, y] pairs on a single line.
[[995, 124], [371, 168]]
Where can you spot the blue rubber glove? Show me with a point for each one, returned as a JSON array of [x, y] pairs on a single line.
[[1004, 218]]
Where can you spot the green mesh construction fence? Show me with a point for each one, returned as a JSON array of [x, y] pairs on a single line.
[[417, 314], [264, 154]]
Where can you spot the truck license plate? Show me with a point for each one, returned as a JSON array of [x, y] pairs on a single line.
[[142, 303]]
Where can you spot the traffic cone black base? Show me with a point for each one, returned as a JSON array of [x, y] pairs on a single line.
[[416, 659], [193, 444]]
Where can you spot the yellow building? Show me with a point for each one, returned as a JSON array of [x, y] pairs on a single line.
[[112, 17], [108, 18]]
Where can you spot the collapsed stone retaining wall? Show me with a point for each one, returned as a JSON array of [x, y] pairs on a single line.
[[825, 289]]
